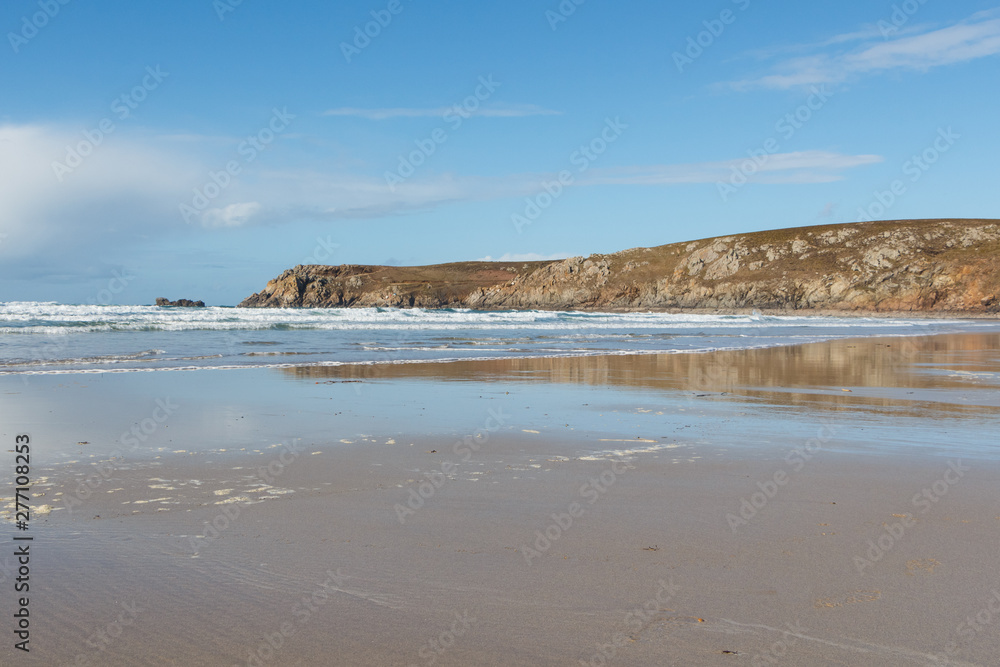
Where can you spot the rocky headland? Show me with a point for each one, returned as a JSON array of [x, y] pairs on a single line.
[[902, 266]]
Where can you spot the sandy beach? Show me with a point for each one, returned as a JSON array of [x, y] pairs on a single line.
[[825, 504]]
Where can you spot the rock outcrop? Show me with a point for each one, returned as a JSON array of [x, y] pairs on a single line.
[[928, 266], [437, 286], [181, 303]]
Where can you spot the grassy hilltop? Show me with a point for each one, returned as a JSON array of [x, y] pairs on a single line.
[[929, 266]]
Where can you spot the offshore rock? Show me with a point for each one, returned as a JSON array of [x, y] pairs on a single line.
[[180, 303]]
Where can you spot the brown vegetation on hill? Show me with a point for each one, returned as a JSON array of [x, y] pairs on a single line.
[[930, 266]]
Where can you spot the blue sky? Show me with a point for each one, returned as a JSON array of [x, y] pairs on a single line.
[[197, 149]]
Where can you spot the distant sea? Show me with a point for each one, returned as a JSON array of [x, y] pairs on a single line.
[[56, 338]]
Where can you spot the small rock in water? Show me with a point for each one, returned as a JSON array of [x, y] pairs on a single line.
[[180, 303]]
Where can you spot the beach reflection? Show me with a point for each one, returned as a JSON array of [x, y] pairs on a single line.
[[954, 371]]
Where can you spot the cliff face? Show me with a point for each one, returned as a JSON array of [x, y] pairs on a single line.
[[936, 266], [437, 286]]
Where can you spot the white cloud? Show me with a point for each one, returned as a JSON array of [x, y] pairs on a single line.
[[797, 167], [233, 215], [969, 40], [120, 188], [411, 112], [867, 33], [918, 48], [129, 190]]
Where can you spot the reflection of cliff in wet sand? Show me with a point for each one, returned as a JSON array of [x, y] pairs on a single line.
[[901, 374], [930, 266]]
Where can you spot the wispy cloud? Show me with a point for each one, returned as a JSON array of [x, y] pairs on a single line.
[[321, 196], [517, 111], [866, 33], [233, 215], [131, 188], [920, 48], [797, 167]]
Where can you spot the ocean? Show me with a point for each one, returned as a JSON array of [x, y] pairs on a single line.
[[52, 338]]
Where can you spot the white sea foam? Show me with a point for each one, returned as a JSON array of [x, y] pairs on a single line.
[[46, 317], [45, 338]]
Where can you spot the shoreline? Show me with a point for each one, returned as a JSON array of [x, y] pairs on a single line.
[[888, 314], [775, 312], [821, 339]]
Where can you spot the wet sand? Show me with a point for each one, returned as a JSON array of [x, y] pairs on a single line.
[[827, 504]]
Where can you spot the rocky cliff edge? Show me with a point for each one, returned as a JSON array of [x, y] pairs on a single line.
[[929, 266]]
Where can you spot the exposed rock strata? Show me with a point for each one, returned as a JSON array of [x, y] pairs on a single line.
[[933, 266]]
